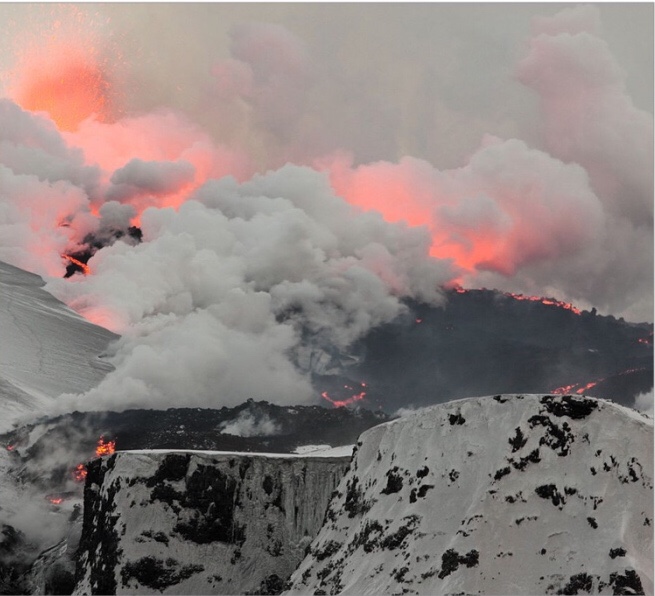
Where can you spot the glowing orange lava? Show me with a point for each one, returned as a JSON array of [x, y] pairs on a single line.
[[587, 386], [11, 447], [522, 297], [55, 500], [546, 301], [340, 403], [79, 473], [105, 448], [83, 266], [70, 93], [102, 448], [567, 389], [59, 69]]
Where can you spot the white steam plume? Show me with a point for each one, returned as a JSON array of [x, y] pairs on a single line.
[[247, 425], [239, 273], [213, 304], [644, 403]]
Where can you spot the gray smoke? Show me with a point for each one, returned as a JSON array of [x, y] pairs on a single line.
[[499, 158]]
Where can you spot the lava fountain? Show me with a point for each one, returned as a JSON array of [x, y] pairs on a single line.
[[61, 71]]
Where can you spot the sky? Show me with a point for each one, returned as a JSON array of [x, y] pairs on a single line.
[[297, 170]]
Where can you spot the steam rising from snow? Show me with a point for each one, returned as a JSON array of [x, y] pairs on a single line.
[[246, 425], [644, 403], [242, 270]]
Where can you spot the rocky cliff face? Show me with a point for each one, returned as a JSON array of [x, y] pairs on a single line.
[[512, 494], [200, 522], [497, 495]]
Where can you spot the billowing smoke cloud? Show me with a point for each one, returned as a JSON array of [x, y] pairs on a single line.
[[149, 177], [45, 192], [247, 425], [224, 294], [644, 403], [247, 265], [589, 119], [275, 72], [508, 207], [258, 97]]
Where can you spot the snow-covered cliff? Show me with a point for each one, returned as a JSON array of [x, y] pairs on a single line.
[[496, 495], [201, 522]]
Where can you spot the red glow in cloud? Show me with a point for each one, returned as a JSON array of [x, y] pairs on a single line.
[[509, 207], [499, 212], [152, 160], [60, 72], [155, 160], [409, 192], [69, 91], [342, 403]]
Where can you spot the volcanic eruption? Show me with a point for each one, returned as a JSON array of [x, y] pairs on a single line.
[[241, 263], [222, 233]]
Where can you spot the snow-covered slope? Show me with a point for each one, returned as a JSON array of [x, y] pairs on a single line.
[[201, 522], [46, 349], [496, 495]]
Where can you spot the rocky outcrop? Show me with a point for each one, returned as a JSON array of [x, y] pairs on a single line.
[[499, 495], [200, 522]]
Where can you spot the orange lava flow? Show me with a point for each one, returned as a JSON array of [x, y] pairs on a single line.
[[79, 473], [55, 500], [567, 389], [85, 268], [587, 386], [340, 403], [105, 448], [546, 301], [541, 299]]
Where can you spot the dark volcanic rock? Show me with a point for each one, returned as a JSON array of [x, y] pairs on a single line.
[[198, 523], [483, 342]]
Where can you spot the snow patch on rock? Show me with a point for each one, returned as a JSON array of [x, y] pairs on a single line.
[[512, 494], [200, 522]]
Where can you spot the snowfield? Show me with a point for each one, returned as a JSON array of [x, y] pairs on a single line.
[[46, 348], [305, 451], [513, 494]]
